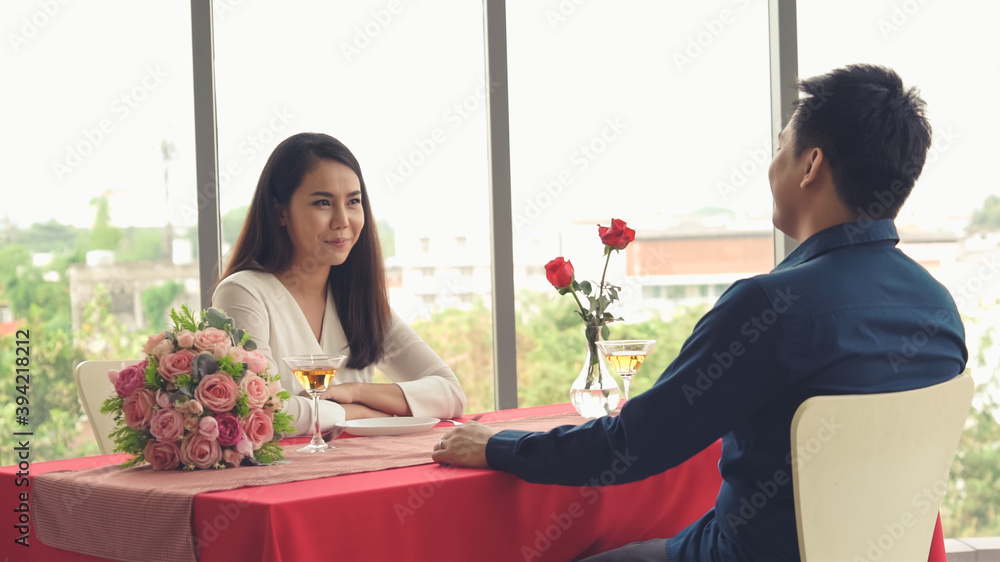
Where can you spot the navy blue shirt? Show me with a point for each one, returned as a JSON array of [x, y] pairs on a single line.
[[845, 313]]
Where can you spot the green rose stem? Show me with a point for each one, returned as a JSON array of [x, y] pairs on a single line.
[[607, 252], [593, 323]]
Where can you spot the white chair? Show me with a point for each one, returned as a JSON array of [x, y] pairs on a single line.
[[93, 386], [869, 471]]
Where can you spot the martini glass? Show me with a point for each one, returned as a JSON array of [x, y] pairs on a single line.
[[626, 356], [314, 373]]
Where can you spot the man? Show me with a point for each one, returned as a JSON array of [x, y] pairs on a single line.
[[837, 316]]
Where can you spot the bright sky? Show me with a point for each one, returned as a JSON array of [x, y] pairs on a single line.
[[631, 108]]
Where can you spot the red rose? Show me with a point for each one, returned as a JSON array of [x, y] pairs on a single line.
[[559, 272], [617, 236]]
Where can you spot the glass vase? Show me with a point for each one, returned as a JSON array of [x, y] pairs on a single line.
[[594, 393]]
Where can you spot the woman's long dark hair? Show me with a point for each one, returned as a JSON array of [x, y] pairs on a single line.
[[357, 285]]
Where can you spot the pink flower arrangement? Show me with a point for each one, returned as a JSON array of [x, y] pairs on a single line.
[[202, 398]]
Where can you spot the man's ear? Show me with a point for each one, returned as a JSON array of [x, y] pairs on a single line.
[[813, 163]]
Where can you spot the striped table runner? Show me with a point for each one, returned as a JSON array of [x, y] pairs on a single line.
[[142, 514]]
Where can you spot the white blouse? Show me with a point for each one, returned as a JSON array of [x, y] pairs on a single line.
[[261, 305]]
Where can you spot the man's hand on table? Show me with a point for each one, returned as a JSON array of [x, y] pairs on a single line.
[[465, 446]]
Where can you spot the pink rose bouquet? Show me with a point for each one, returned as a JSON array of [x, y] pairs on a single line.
[[202, 398]]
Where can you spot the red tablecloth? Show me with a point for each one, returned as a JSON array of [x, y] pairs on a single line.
[[423, 512]]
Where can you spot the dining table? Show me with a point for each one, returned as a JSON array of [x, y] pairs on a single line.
[[423, 511]]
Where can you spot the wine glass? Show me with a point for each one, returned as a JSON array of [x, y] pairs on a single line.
[[314, 373], [626, 356]]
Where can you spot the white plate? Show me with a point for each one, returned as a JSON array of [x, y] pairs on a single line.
[[388, 426]]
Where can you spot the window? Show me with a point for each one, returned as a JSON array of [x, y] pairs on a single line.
[[950, 222], [358, 71], [626, 127], [937, 223], [620, 128], [98, 174], [676, 292]]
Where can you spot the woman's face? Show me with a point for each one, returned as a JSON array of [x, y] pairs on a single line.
[[324, 217]]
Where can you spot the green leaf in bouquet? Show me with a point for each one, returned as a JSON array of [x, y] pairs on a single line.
[[113, 405], [269, 452], [128, 440], [185, 384], [153, 379], [242, 407], [139, 458], [613, 292], [216, 318], [231, 367], [605, 332], [283, 423], [247, 343], [586, 287], [184, 320]]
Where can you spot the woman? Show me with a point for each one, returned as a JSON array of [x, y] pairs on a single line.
[[306, 277]]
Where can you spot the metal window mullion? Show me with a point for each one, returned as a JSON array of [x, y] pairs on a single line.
[[784, 54], [206, 148], [501, 224]]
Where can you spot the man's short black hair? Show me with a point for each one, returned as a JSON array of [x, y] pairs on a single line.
[[873, 133]]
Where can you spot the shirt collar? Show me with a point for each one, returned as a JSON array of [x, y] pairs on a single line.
[[846, 234]]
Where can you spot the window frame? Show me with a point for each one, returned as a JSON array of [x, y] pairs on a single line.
[[784, 69]]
